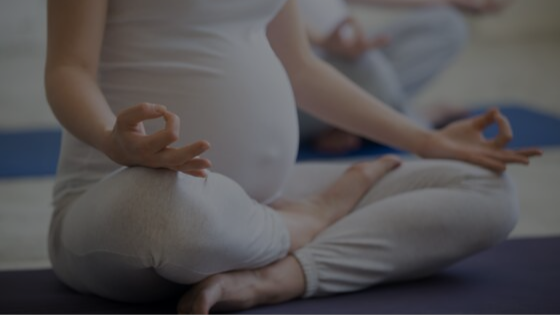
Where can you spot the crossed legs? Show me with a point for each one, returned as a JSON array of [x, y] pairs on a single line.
[[141, 233], [416, 221]]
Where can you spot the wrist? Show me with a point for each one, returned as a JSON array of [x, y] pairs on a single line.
[[105, 141], [422, 145]]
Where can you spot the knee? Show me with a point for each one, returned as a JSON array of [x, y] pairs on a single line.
[[218, 228], [503, 208], [488, 205], [494, 205], [446, 25], [175, 219]]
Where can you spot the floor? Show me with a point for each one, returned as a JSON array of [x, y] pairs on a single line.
[[512, 57]]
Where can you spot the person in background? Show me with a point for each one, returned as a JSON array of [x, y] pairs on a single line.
[[393, 63]]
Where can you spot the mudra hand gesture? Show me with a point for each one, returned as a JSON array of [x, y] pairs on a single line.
[[464, 141], [129, 145], [349, 41]]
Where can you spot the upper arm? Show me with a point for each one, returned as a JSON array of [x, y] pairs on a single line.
[[288, 37], [75, 33]]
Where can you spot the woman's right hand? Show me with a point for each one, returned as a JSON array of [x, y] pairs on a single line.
[[129, 145]]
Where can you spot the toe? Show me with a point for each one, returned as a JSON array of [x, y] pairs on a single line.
[[201, 298], [390, 161]]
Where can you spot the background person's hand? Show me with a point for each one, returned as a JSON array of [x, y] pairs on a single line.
[[481, 6], [348, 40], [129, 145], [464, 141]]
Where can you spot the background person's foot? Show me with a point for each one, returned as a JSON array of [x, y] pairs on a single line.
[[336, 141]]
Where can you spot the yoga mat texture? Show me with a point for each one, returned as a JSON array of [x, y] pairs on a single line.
[[35, 152], [516, 277]]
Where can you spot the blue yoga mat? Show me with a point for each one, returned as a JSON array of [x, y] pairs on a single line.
[[532, 129], [35, 153]]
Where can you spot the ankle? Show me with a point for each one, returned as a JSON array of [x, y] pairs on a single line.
[[280, 282]]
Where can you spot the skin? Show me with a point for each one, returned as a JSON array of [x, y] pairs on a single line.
[[284, 280], [75, 33], [348, 48], [74, 41], [352, 47], [335, 43]]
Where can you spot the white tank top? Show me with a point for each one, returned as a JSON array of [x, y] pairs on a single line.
[[210, 62], [322, 16]]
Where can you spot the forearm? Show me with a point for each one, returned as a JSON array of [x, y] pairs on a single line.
[[79, 105], [326, 94]]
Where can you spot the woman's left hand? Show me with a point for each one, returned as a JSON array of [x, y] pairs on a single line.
[[464, 141]]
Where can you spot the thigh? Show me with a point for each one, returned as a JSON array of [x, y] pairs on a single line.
[[416, 221], [156, 224]]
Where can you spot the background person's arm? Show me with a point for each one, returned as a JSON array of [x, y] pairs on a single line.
[[75, 36], [325, 93]]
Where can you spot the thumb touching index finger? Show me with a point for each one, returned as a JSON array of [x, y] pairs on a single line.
[[505, 135], [132, 116], [485, 120]]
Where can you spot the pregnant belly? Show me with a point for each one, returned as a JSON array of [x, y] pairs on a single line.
[[250, 121], [238, 98], [253, 130]]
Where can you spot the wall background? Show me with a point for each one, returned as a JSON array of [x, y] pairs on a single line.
[[513, 57]]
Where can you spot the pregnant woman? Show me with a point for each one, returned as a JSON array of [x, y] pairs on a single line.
[[139, 216]]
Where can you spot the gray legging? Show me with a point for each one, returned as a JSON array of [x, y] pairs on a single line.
[[423, 44], [140, 234]]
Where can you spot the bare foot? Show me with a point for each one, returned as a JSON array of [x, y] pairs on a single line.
[[284, 280], [336, 141], [307, 218], [241, 290]]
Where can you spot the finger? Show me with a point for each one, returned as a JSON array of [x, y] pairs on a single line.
[[529, 152], [486, 162], [358, 32], [163, 138], [505, 134], [131, 117], [196, 164], [337, 32], [197, 173], [172, 157], [352, 37], [483, 121], [508, 157]]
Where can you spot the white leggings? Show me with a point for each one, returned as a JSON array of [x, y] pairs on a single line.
[[141, 234]]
